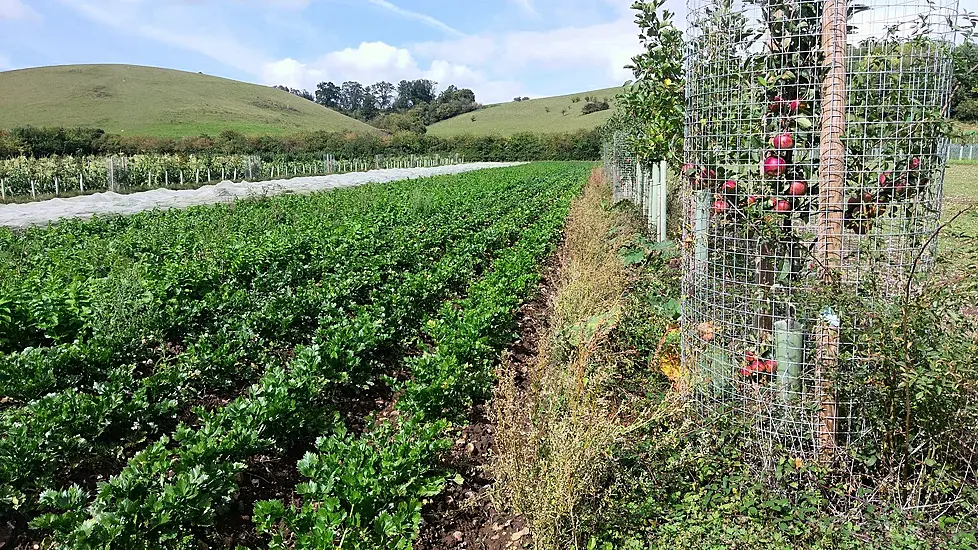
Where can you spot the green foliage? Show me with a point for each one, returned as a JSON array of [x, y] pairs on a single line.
[[651, 110], [594, 107], [282, 306], [964, 97], [362, 492]]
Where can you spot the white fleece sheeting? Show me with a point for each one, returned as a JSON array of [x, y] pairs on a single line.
[[44, 212]]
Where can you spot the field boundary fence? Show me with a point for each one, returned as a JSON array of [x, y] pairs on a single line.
[[962, 151], [639, 182], [43, 178]]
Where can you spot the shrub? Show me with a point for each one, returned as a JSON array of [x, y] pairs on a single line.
[[594, 107]]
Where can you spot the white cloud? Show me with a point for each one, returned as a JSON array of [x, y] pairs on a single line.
[[426, 19], [375, 61], [16, 9], [607, 47]]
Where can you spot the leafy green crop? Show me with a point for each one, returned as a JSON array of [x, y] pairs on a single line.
[[118, 331]]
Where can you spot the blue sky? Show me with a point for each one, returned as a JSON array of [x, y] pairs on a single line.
[[499, 48]]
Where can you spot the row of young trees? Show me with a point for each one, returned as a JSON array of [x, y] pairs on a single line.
[[416, 102]]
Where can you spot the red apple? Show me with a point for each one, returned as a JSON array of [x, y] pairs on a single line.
[[729, 186], [774, 166], [914, 163], [797, 188], [720, 206], [783, 141], [769, 366], [752, 200], [782, 206], [884, 176], [795, 105]]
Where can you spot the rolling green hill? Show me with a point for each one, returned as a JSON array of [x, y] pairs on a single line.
[[547, 115], [134, 100]]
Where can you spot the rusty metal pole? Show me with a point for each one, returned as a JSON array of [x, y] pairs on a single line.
[[832, 181]]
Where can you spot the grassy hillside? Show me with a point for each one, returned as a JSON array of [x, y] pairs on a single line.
[[138, 100], [549, 114]]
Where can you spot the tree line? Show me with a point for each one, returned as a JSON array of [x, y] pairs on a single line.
[[412, 105], [44, 142]]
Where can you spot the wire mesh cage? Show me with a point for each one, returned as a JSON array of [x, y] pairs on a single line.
[[815, 149]]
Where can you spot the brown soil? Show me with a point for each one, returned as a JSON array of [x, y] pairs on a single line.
[[463, 516]]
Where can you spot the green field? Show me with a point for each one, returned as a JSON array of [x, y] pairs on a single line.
[[178, 354], [546, 115], [134, 100], [959, 240]]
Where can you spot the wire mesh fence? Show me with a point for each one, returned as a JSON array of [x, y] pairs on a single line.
[[642, 183], [815, 150]]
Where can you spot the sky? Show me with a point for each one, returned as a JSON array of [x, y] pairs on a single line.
[[499, 48]]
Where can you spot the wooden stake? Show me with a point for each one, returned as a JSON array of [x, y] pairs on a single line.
[[832, 181]]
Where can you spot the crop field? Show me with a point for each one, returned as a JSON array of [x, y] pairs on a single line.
[[279, 371], [558, 114]]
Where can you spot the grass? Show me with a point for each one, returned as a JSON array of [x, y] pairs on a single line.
[[554, 430], [548, 115], [959, 240], [147, 101], [596, 451]]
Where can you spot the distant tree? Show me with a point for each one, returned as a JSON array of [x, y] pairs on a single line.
[[964, 96], [328, 95], [383, 92], [594, 107], [517, 99], [526, 99], [411, 93], [304, 94]]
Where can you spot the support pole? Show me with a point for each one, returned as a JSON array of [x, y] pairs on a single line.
[[832, 181], [663, 184]]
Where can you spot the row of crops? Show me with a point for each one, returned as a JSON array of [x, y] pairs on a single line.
[[37, 178], [157, 370]]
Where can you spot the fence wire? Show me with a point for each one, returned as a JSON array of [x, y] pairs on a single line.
[[815, 148], [642, 183]]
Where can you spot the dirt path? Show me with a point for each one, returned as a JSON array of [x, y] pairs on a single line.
[[463, 516]]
